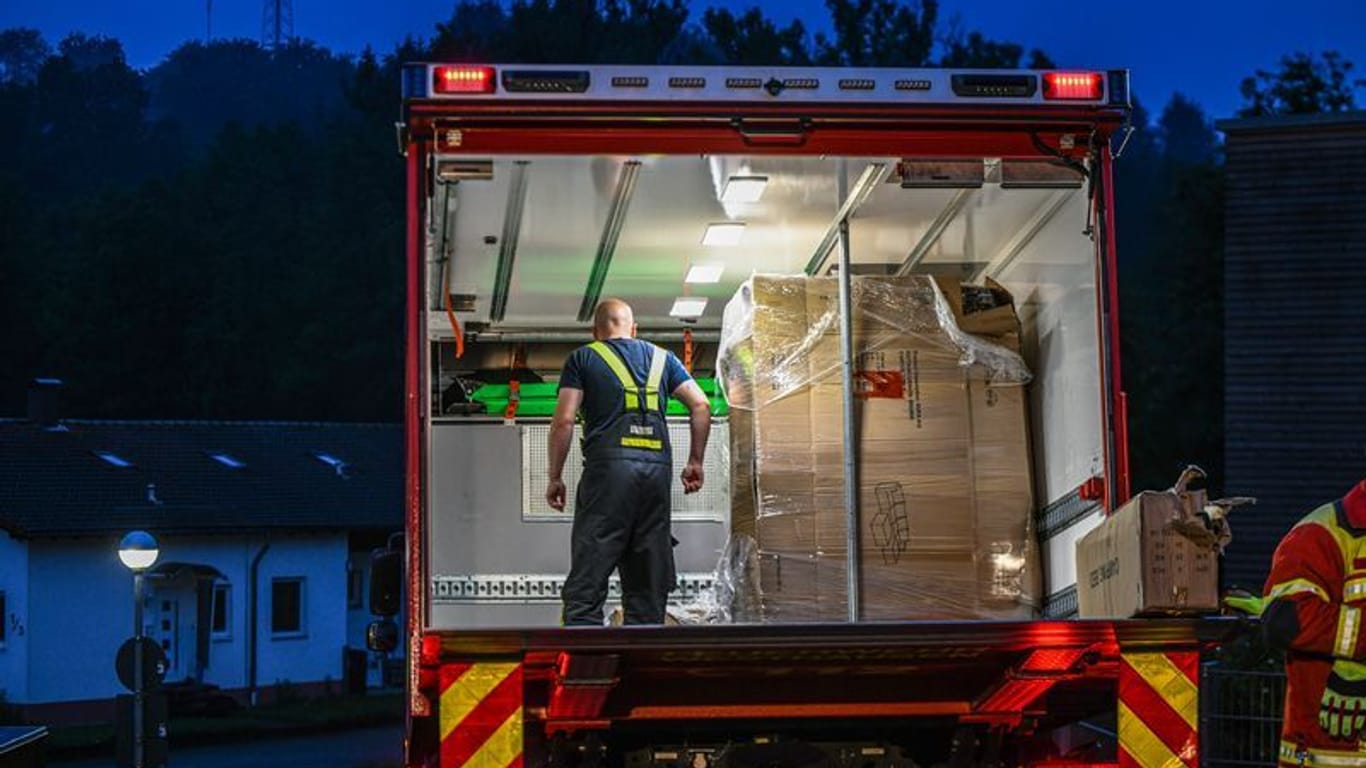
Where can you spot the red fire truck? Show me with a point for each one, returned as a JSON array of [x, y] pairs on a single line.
[[533, 191]]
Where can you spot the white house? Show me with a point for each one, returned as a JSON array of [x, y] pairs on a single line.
[[264, 532]]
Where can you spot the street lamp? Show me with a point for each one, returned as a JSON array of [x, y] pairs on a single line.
[[138, 551]]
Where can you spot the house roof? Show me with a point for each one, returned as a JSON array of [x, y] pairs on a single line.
[[1354, 118], [98, 477]]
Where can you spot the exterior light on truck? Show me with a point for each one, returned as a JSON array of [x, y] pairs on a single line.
[[724, 234], [1073, 86], [688, 307], [705, 273], [744, 189], [463, 79]]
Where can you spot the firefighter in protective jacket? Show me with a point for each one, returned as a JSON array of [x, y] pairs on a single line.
[[1315, 611]]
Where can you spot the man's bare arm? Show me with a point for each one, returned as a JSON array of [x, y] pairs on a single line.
[[561, 434], [699, 429]]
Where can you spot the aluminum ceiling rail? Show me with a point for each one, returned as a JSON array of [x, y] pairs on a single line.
[[936, 230], [611, 233], [507, 244], [1025, 235], [872, 176]]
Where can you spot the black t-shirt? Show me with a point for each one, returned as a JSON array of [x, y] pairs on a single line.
[[602, 398]]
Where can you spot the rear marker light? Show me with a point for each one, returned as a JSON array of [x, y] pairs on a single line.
[[802, 83], [744, 82], [463, 80], [630, 82], [913, 85], [545, 81], [994, 86], [856, 85], [687, 82], [1078, 86]]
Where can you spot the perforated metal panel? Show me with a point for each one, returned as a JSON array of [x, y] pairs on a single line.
[[712, 503], [523, 588]]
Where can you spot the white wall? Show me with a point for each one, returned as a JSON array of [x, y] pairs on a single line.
[[81, 610], [14, 649], [317, 654]]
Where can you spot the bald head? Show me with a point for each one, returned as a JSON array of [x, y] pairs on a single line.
[[613, 319]]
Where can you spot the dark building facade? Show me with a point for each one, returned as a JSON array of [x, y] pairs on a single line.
[[1295, 323]]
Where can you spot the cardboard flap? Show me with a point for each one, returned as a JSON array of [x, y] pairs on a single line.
[[1202, 522], [1189, 475], [982, 310]]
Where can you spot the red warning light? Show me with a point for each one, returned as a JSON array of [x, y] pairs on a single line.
[[1073, 86], [463, 79]]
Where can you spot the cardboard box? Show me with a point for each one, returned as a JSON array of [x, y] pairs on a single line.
[[1136, 563], [945, 492]]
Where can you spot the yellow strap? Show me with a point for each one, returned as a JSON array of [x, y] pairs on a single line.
[[656, 371], [648, 443], [628, 382]]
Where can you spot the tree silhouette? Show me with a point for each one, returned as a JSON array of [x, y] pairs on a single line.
[[22, 53], [299, 82], [753, 39], [878, 33], [1302, 86], [1170, 227]]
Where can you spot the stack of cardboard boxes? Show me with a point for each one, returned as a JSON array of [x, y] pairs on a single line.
[[944, 497]]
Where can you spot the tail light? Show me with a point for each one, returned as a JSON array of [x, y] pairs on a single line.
[[1073, 86], [463, 80]]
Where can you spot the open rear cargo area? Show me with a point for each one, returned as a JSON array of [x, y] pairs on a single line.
[[520, 248]]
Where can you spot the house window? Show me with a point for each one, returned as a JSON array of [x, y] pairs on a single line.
[[355, 587], [287, 606], [220, 626]]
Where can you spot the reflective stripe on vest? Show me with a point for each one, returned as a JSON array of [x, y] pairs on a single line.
[[1298, 587], [628, 382], [1297, 756], [1333, 519]]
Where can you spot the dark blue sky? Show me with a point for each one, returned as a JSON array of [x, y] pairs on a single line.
[[1200, 47]]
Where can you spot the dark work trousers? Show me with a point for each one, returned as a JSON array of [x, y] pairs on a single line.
[[621, 522]]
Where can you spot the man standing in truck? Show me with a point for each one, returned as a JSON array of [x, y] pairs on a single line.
[[1315, 611], [621, 385]]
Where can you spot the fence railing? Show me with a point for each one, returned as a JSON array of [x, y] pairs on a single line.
[[1240, 717]]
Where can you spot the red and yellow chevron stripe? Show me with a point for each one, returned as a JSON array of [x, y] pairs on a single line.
[[481, 715], [1159, 710]]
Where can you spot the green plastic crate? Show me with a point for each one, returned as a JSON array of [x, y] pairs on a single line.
[[539, 399]]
